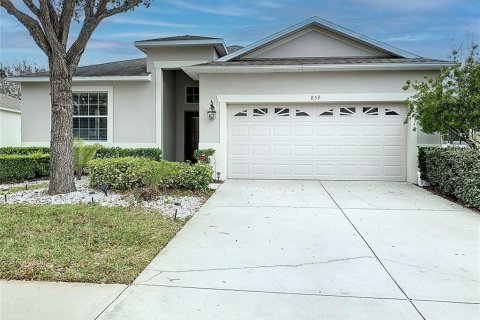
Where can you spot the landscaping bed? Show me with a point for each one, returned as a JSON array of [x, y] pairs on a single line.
[[80, 243], [164, 202]]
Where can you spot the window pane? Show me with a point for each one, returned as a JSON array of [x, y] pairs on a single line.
[[93, 110], [102, 110], [83, 133], [83, 98], [93, 98], [83, 123], [103, 123], [103, 134], [92, 134], [83, 109], [76, 123], [102, 98]]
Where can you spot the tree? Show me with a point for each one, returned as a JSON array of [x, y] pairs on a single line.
[[49, 22], [17, 68], [450, 102]]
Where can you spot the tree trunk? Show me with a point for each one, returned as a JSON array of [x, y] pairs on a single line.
[[61, 141]]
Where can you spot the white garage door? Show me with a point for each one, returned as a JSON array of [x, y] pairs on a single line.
[[361, 142]]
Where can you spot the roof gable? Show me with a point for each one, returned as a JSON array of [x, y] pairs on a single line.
[[315, 42], [328, 39]]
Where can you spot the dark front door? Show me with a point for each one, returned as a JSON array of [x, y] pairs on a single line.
[[191, 134]]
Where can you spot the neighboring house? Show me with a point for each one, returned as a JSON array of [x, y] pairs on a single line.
[[314, 101], [10, 121]]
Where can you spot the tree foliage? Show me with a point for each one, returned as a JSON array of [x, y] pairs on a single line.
[[449, 102], [49, 23], [17, 68]]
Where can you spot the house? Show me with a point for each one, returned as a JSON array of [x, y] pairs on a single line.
[[10, 121], [314, 101]]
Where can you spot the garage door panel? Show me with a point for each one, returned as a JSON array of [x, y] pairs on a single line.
[[350, 147]]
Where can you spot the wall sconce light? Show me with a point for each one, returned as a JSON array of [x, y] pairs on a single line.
[[212, 113]]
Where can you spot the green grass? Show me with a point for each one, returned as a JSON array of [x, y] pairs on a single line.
[[80, 243], [30, 187]]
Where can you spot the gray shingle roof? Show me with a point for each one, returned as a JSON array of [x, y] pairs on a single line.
[[232, 49], [135, 67], [320, 61], [181, 38], [9, 102]]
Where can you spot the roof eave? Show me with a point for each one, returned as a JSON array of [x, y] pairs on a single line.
[[195, 71], [219, 44], [325, 24], [10, 110], [84, 79]]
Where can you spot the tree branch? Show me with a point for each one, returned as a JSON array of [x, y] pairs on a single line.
[[31, 24], [49, 28], [66, 19]]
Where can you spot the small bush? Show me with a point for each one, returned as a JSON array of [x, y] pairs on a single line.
[[203, 155], [130, 173], [455, 172], [120, 173], [19, 167], [103, 152], [421, 158], [116, 152], [24, 150]]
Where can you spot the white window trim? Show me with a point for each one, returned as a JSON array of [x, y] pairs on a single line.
[[109, 90], [190, 103]]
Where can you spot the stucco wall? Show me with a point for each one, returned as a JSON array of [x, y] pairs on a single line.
[[133, 112], [187, 53], [10, 129], [294, 83], [182, 81], [314, 42]]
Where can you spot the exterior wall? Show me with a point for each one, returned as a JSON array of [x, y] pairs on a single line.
[[314, 42], [186, 53], [366, 84], [133, 112], [183, 80], [10, 128], [169, 115]]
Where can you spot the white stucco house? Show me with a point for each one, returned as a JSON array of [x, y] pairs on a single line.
[[10, 121], [314, 101]]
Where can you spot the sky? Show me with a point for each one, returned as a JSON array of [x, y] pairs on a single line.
[[429, 28]]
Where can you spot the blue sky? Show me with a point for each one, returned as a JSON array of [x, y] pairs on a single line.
[[429, 28]]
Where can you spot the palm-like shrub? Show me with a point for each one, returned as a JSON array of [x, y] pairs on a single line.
[[82, 154]]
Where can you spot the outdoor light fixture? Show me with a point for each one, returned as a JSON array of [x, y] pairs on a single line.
[[212, 113], [218, 176], [5, 191]]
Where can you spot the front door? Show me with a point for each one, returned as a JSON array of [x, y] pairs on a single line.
[[191, 134]]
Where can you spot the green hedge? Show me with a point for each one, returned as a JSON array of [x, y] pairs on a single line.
[[18, 167], [104, 152], [24, 150], [116, 152], [454, 171], [129, 173]]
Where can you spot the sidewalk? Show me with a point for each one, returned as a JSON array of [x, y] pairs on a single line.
[[25, 300]]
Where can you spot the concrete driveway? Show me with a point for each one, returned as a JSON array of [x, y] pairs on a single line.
[[314, 250]]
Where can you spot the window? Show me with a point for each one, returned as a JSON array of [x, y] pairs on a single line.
[[242, 113], [390, 112], [192, 94], [282, 112], [328, 112], [301, 113], [259, 112], [370, 111], [90, 112], [347, 111]]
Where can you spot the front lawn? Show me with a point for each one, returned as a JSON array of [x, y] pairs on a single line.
[[80, 243]]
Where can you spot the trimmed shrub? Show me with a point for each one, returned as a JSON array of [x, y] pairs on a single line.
[[455, 172], [116, 152], [130, 173], [203, 155], [24, 150], [421, 158], [18, 167], [103, 152], [120, 173]]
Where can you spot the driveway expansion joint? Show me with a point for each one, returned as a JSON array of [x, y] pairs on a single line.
[[271, 292], [373, 252]]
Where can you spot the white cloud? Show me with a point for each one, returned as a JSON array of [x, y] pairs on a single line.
[[233, 10], [124, 20]]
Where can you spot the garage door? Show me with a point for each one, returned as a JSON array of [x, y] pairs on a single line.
[[337, 142]]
